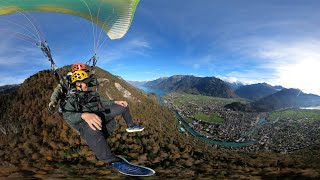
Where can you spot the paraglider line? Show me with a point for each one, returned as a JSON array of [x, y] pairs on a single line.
[[31, 24], [102, 43], [34, 36], [97, 41], [93, 30], [27, 38], [99, 45], [41, 33]]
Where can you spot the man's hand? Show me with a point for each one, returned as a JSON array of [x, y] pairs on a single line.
[[121, 103], [51, 105], [93, 120]]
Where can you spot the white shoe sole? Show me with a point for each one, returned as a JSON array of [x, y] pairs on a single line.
[[134, 130]]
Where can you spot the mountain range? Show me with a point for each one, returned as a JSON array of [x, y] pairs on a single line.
[[209, 86], [256, 91], [137, 83], [263, 97], [8, 88], [234, 85], [286, 98]]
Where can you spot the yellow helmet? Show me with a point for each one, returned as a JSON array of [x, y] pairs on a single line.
[[79, 76]]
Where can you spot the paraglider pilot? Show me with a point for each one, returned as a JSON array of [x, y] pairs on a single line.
[[93, 119]]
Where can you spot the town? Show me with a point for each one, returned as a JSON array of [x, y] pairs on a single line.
[[279, 135]]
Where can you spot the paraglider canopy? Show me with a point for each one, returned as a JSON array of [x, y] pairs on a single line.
[[113, 16]]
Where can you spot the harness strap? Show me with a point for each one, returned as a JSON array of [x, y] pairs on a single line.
[[47, 53], [80, 105], [94, 60]]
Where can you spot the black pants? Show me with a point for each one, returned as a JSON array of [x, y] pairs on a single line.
[[116, 110], [96, 139]]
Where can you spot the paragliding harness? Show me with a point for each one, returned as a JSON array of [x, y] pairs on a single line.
[[84, 100], [93, 77], [93, 73], [65, 82]]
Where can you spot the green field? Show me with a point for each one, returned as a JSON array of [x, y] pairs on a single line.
[[306, 115], [183, 98], [209, 118], [186, 100]]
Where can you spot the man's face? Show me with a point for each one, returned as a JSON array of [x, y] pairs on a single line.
[[82, 86]]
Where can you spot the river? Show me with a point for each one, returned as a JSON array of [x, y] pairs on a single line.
[[161, 93]]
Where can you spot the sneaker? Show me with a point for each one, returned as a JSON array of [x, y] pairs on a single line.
[[135, 128], [124, 167]]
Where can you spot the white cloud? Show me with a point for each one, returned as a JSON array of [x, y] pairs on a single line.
[[125, 49], [19, 60], [228, 79], [247, 77], [205, 61], [293, 64], [16, 53]]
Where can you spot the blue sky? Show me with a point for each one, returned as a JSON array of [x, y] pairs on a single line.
[[274, 41]]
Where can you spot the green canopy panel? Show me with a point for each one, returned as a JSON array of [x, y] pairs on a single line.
[[113, 16]]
